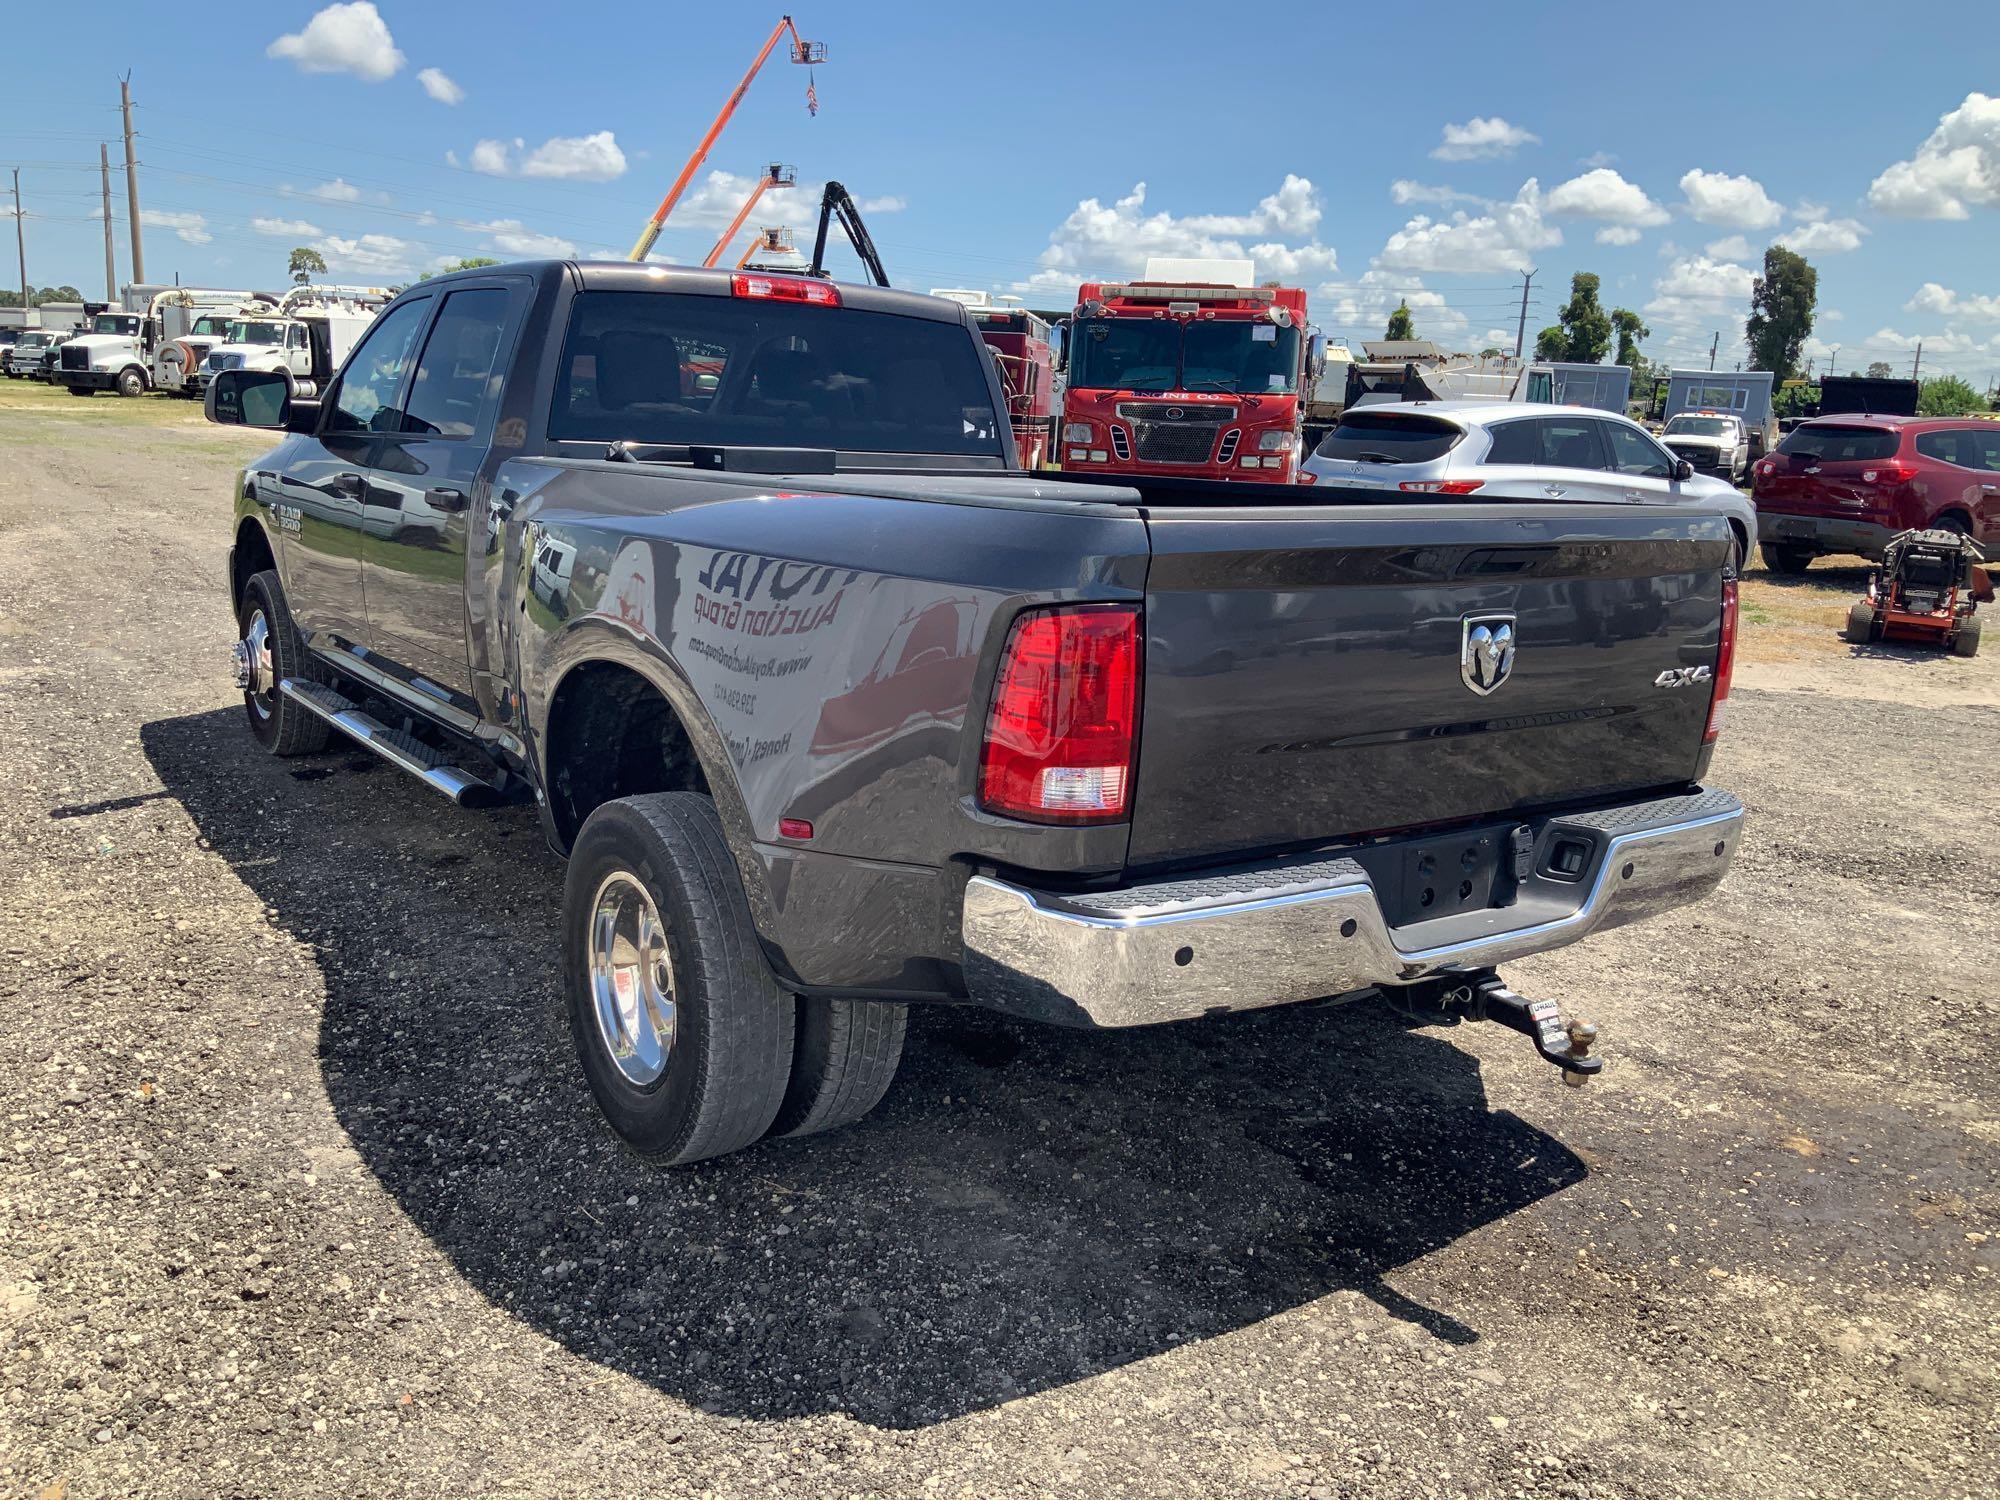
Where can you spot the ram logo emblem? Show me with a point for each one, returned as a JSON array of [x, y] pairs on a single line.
[[1485, 651]]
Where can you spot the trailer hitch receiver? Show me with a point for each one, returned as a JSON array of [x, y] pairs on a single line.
[[1485, 996]]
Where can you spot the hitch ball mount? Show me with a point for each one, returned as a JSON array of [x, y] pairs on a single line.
[[1484, 996]]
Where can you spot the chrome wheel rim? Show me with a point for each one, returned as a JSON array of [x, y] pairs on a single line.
[[256, 663], [631, 978]]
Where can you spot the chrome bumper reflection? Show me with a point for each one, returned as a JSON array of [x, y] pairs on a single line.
[[1241, 948]]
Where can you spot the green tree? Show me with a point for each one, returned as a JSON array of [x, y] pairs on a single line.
[[1551, 343], [469, 263], [1796, 401], [1630, 329], [1879, 370], [1491, 352], [1586, 327], [1401, 324], [305, 262], [1781, 312], [1948, 396], [39, 295]]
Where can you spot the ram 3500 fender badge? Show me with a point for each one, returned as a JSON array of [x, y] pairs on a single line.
[[1682, 677], [1485, 651]]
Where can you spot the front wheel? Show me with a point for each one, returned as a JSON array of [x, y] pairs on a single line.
[[684, 1035], [1860, 628], [268, 651], [1791, 561], [131, 383], [1966, 642]]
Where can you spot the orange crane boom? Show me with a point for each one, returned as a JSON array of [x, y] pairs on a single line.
[[802, 52], [776, 175]]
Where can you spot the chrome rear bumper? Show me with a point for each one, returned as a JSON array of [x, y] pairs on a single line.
[[1297, 931]]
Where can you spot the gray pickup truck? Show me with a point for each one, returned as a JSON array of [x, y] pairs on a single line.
[[833, 710]]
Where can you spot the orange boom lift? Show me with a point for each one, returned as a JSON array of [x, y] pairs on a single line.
[[776, 175], [803, 52]]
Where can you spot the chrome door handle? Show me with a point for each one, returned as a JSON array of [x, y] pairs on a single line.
[[349, 485], [447, 497]]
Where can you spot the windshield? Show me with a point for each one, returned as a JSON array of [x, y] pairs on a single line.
[[651, 367], [214, 326], [125, 323], [255, 331], [1165, 354], [34, 340], [1701, 427]]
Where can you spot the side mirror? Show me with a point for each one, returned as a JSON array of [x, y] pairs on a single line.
[[250, 398], [1683, 468]]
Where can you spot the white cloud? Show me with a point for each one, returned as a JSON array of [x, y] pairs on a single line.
[[340, 190], [1808, 212], [1482, 137], [1602, 193], [1696, 288], [1600, 159], [1503, 240], [1618, 234], [1118, 238], [1404, 191], [1732, 202], [1951, 341], [342, 39], [371, 254], [1942, 300], [515, 238], [440, 87], [577, 158], [1826, 237], [1356, 307], [1730, 247], [1955, 170], [889, 203], [190, 228], [297, 228]]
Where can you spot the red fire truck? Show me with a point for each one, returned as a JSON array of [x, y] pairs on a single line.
[[1021, 344], [1194, 371]]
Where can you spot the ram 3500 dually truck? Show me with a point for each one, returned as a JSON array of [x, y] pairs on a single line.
[[832, 709]]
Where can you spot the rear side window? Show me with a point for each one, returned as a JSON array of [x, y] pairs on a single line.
[[1968, 448], [1550, 442], [1389, 437], [672, 369], [1840, 445]]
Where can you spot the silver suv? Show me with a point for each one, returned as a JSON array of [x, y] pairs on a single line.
[[1503, 450]]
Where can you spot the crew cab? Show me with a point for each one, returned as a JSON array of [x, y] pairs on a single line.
[[834, 710], [1851, 484]]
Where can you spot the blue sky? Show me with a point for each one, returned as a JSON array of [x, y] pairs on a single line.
[[1366, 153]]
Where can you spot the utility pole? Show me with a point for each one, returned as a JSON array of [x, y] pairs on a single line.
[[110, 254], [1714, 344], [1833, 361], [1521, 329], [132, 182], [20, 244], [1917, 363]]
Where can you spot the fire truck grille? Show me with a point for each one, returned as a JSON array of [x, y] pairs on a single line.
[[1174, 442]]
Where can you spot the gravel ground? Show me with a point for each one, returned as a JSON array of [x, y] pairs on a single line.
[[301, 1192]]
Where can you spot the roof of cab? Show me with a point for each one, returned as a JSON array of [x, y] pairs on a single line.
[[653, 276]]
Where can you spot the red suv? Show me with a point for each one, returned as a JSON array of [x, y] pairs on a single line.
[[1849, 484]]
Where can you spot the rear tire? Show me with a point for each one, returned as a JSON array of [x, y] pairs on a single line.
[[1791, 561], [1860, 623], [281, 726], [684, 1035], [80, 390], [844, 1056], [1966, 642]]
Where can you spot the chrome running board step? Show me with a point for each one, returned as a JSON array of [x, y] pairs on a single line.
[[404, 751]]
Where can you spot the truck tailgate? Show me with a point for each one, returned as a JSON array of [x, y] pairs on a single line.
[[1304, 673]]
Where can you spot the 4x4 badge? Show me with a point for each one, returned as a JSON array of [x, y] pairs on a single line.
[[1485, 651]]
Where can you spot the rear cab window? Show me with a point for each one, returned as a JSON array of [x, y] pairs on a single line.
[[1390, 437], [675, 369], [1841, 444]]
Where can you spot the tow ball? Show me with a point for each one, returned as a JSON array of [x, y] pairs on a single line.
[[1485, 996]]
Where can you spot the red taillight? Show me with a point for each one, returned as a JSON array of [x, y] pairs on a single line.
[[1306, 476], [1725, 662], [1441, 486], [787, 289], [1064, 723], [1889, 474], [1766, 468]]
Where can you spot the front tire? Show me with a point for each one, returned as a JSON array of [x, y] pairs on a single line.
[[1860, 627], [131, 383], [1791, 561], [1966, 642], [684, 1036], [271, 649]]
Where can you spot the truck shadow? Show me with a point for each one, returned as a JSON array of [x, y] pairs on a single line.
[[1029, 1206]]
